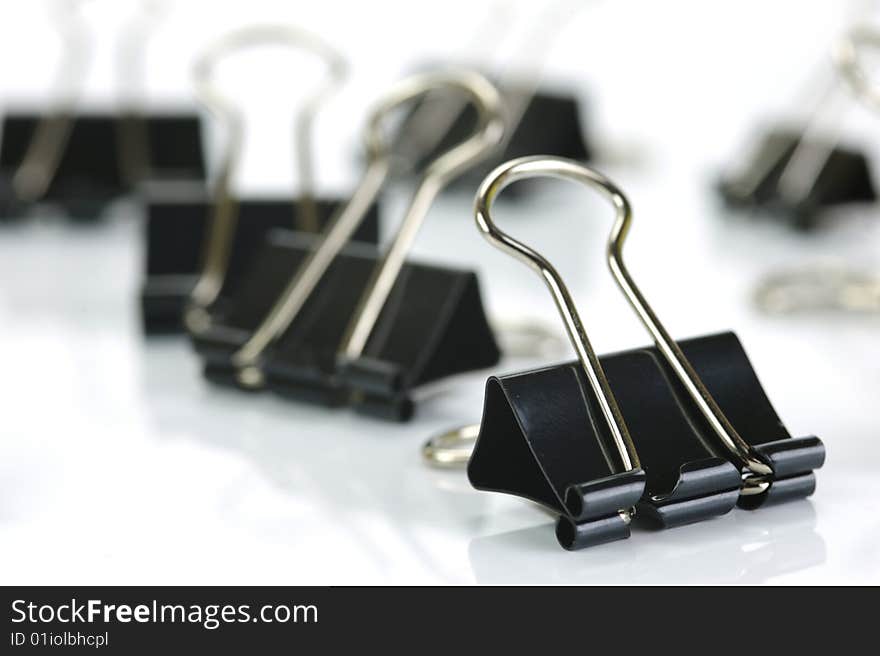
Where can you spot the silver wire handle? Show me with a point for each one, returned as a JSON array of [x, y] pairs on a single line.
[[343, 224], [808, 159], [134, 147], [432, 120], [530, 167], [488, 134], [219, 237], [42, 158], [846, 57], [451, 449]]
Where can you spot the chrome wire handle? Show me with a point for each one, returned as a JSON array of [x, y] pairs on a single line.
[[531, 167], [131, 71], [345, 222], [847, 57], [34, 174], [219, 237]]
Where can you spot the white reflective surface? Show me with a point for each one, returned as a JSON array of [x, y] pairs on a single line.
[[119, 464]]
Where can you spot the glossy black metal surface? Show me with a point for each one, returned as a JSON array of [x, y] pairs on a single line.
[[91, 172], [432, 326], [176, 219], [844, 178], [542, 437]]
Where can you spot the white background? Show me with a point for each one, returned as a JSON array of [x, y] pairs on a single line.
[[118, 464]]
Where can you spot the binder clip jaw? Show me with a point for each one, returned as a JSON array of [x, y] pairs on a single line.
[[400, 324], [533, 449], [799, 176], [775, 467]]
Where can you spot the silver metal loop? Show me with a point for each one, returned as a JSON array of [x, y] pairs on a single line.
[[541, 166], [538, 166], [819, 288], [848, 57], [451, 449], [133, 144], [40, 162], [344, 223], [526, 338], [219, 237]]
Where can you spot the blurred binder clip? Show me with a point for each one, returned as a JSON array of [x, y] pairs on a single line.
[[327, 321], [657, 428], [198, 247], [538, 119], [819, 288], [83, 161], [837, 286], [799, 175]]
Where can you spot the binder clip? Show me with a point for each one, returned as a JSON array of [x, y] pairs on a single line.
[[198, 247], [798, 176], [349, 325], [83, 161], [650, 428]]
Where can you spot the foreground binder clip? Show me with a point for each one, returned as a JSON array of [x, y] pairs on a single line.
[[198, 247], [650, 427], [797, 176], [331, 322], [83, 161]]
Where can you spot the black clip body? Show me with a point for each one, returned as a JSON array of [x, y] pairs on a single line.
[[101, 154], [551, 123], [542, 437], [177, 218], [844, 177], [432, 326]]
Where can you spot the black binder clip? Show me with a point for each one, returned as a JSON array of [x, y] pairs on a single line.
[[798, 176], [347, 325], [198, 248], [651, 428], [83, 161]]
